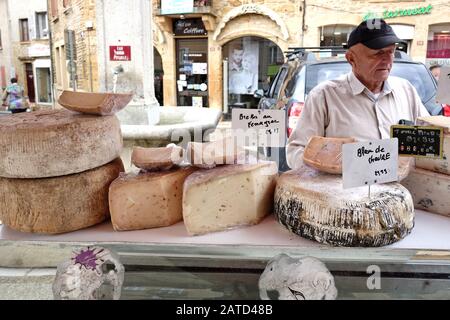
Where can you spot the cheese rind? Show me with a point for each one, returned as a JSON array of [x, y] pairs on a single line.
[[104, 103], [156, 158], [148, 199], [430, 190], [228, 196], [314, 205], [52, 143], [60, 204], [325, 153]]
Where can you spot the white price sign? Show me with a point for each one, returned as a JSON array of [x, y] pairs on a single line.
[[269, 126], [369, 162]]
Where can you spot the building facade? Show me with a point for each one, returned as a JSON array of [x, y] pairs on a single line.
[[423, 25], [217, 32], [217, 53], [74, 45], [24, 48]]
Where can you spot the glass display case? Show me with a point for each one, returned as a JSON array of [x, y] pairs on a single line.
[[166, 263]]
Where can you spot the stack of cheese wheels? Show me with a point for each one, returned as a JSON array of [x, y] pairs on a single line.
[[55, 169], [314, 205], [429, 182]]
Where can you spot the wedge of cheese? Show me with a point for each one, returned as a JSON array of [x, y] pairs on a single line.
[[437, 165], [325, 153], [60, 204], [210, 154], [52, 143], [228, 196], [153, 159], [148, 199], [314, 205], [430, 190]]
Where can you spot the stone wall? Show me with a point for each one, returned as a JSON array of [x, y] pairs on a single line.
[[74, 17]]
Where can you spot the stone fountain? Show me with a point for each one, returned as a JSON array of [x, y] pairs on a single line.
[[143, 121]]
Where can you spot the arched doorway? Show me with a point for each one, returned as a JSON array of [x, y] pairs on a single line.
[[158, 77], [251, 64]]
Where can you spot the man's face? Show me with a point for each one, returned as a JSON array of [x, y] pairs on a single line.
[[238, 55], [436, 72], [369, 64]]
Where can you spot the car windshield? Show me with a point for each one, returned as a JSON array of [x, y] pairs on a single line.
[[417, 74]]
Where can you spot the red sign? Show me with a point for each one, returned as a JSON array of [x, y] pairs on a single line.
[[120, 53]]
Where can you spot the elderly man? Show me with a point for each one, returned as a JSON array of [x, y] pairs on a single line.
[[362, 104]]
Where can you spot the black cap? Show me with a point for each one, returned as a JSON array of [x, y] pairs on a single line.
[[374, 34]]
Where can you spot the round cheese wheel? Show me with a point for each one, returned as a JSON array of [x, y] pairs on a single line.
[[314, 205], [60, 204], [52, 143]]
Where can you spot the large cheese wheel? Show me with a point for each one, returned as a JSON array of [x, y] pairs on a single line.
[[60, 204], [314, 205], [228, 196], [430, 190], [52, 143], [147, 200]]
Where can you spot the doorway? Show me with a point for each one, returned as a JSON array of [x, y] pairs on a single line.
[[158, 78], [192, 72], [30, 82]]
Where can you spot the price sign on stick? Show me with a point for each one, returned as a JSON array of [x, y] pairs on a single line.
[[369, 162], [269, 126]]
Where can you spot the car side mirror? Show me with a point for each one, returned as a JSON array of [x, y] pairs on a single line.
[[259, 93]]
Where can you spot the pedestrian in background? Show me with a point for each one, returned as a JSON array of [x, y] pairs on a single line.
[[14, 92]]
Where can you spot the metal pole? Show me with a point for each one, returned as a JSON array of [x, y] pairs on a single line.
[[89, 57]]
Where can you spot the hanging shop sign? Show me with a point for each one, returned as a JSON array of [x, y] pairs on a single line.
[[389, 14], [177, 6], [120, 53], [189, 27]]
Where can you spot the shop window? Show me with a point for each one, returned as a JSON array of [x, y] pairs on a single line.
[[23, 30], [41, 25], [43, 83], [335, 35], [192, 72], [253, 62], [439, 42]]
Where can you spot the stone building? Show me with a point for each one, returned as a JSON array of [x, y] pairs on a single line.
[[209, 31], [24, 48], [217, 53], [103, 45]]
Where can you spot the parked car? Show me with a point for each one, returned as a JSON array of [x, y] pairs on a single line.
[[302, 72]]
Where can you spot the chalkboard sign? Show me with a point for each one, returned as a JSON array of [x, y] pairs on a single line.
[[419, 141]]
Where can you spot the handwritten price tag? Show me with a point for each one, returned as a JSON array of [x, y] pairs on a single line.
[[369, 162], [268, 126]]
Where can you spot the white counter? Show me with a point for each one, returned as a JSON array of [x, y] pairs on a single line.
[[431, 231]]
